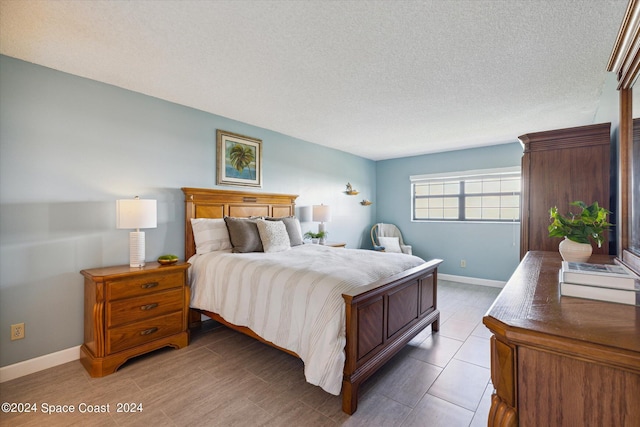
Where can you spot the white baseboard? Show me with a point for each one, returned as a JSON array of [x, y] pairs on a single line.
[[472, 280], [36, 364]]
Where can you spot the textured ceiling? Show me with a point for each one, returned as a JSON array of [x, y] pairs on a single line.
[[379, 79]]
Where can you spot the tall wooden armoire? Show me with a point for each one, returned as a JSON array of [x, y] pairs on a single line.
[[559, 167]]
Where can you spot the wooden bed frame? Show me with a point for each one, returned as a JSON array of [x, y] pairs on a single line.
[[380, 318]]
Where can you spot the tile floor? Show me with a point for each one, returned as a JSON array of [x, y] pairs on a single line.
[[226, 379]]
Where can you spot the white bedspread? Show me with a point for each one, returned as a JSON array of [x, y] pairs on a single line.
[[293, 298]]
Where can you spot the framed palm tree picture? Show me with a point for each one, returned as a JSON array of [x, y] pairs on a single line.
[[239, 160]]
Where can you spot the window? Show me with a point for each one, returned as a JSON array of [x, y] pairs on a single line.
[[483, 195]]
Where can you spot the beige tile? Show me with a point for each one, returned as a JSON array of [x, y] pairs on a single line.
[[69, 419], [248, 388], [457, 329], [300, 414], [146, 374], [423, 335], [475, 350], [482, 412], [332, 408], [469, 313], [277, 401], [481, 331], [406, 380], [435, 412], [272, 365], [232, 344], [67, 378], [317, 398], [150, 416], [377, 410], [436, 350], [461, 383], [180, 389], [217, 410], [446, 313]]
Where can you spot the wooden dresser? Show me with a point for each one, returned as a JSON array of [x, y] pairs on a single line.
[[561, 361], [131, 311]]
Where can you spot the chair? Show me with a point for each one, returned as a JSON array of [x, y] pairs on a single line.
[[388, 238]]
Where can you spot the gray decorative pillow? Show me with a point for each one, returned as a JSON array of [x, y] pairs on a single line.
[[273, 235], [293, 229], [243, 234]]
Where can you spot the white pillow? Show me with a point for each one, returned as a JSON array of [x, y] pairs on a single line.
[[391, 244], [210, 234], [274, 235]]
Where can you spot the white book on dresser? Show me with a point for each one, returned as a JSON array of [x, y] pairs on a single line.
[[622, 296], [604, 275]]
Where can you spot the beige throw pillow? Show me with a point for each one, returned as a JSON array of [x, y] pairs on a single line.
[[293, 229], [273, 235]]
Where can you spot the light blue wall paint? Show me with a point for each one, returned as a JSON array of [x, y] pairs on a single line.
[[70, 147], [492, 251]]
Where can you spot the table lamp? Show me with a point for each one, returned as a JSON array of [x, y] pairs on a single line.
[[322, 214], [136, 213]]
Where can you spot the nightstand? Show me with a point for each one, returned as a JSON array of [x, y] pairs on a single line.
[[131, 311]]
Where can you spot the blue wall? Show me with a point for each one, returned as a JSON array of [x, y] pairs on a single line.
[[70, 147], [491, 251]]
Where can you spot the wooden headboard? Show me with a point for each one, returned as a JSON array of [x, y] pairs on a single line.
[[210, 203]]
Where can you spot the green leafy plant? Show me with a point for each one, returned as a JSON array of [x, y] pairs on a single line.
[[318, 235], [591, 222]]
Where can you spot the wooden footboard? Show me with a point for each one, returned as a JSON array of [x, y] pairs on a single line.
[[381, 319]]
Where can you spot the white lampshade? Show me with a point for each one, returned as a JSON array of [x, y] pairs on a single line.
[[321, 213], [136, 214]]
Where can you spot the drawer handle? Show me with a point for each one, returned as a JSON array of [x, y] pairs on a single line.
[[149, 331], [149, 285], [149, 306]]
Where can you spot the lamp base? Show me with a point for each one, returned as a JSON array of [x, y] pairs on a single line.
[[136, 249], [321, 229]]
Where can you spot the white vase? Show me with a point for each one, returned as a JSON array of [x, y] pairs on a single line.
[[575, 252]]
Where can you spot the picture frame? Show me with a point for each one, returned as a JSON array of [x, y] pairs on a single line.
[[239, 160]]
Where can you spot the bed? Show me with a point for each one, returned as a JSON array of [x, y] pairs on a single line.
[[376, 318]]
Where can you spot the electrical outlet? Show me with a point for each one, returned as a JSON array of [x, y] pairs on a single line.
[[463, 263], [17, 331]]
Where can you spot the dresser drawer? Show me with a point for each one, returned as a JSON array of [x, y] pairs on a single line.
[[135, 309], [143, 285], [134, 334]]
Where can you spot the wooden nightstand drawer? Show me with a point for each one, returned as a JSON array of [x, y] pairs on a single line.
[[143, 285], [139, 308], [134, 334]]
